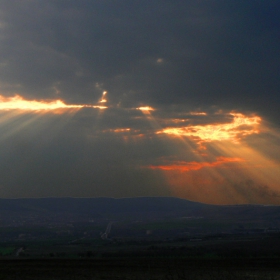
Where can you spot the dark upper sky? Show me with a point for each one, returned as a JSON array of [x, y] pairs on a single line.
[[209, 70]]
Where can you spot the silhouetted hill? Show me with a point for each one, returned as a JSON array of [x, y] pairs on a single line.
[[144, 207], [92, 205]]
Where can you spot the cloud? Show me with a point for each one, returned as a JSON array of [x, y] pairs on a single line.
[[188, 166], [18, 103], [56, 106], [189, 86], [238, 128], [210, 58]]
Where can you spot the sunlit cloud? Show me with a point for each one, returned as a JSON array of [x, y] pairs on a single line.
[[19, 103], [212, 152], [96, 107], [240, 126], [184, 166], [118, 130], [198, 114], [145, 109], [103, 98], [128, 135]]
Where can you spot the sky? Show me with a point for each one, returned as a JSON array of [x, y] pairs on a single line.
[[122, 98]]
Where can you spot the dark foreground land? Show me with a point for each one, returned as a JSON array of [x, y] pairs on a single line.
[[135, 239], [137, 268]]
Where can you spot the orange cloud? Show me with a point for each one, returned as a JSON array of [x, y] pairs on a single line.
[[103, 99], [198, 114], [145, 109], [188, 166], [240, 126], [118, 130], [19, 103], [96, 107]]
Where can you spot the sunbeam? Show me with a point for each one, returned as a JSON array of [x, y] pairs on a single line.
[[218, 158]]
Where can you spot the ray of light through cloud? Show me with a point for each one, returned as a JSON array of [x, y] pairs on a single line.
[[19, 113], [215, 153], [223, 157], [211, 154]]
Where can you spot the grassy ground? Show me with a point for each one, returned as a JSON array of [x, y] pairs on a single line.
[[5, 251]]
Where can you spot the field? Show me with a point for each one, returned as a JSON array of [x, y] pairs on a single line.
[[210, 258], [6, 251], [135, 269]]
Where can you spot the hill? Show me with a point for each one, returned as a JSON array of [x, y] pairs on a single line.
[[140, 207]]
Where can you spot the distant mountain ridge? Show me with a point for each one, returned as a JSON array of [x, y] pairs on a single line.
[[145, 207], [68, 204]]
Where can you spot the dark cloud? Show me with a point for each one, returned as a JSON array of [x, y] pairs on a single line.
[[214, 53]]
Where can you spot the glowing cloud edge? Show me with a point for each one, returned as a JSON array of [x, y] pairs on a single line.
[[17, 102]]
